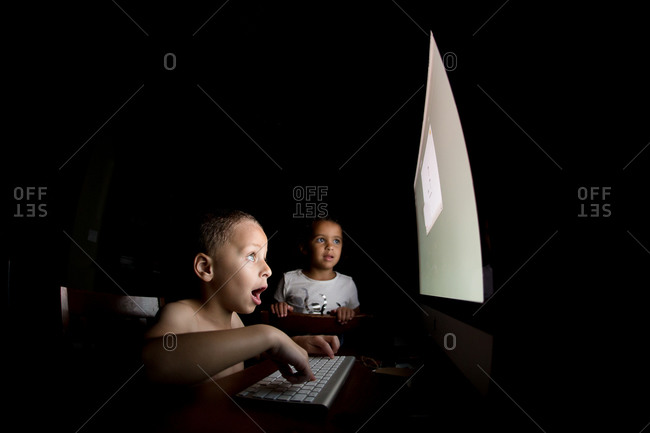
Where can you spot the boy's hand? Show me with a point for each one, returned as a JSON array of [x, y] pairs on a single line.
[[286, 353], [326, 345], [281, 309], [343, 314]]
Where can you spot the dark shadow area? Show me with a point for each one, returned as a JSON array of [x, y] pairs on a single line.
[[125, 122]]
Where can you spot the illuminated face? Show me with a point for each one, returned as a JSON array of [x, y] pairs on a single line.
[[241, 271], [325, 245]]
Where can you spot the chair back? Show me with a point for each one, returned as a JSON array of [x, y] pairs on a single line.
[[301, 324], [91, 318]]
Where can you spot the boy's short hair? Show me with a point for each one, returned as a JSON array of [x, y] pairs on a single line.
[[216, 227]]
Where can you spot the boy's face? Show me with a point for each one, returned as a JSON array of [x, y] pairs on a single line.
[[325, 245], [240, 269]]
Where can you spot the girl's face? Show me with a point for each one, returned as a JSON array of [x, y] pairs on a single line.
[[325, 245]]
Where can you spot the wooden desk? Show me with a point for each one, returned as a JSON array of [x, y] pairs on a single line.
[[212, 407], [367, 402]]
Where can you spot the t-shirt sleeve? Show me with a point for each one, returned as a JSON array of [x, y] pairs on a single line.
[[353, 301], [280, 295]]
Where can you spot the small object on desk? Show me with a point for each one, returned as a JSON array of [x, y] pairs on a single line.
[[394, 371], [330, 377]]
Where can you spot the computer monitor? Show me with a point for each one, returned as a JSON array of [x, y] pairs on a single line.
[[453, 281], [448, 235]]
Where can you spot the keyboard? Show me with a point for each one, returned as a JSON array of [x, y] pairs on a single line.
[[330, 377]]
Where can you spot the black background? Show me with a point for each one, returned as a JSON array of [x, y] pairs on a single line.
[[265, 97]]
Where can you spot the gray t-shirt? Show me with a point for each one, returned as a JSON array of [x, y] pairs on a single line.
[[306, 295]]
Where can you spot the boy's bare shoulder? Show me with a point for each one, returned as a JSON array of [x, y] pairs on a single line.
[[186, 304], [184, 307], [177, 317]]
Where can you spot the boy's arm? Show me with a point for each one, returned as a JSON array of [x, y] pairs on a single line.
[[175, 353], [196, 356]]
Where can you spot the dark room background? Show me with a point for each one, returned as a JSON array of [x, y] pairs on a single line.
[[125, 120]]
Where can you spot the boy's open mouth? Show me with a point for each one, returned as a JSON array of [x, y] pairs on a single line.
[[256, 295]]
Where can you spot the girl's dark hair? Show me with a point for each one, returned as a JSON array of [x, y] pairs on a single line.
[[307, 229]]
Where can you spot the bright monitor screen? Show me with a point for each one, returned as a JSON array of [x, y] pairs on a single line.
[[449, 243]]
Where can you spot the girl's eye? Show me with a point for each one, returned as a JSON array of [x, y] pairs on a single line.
[[320, 240], [337, 241], [251, 257]]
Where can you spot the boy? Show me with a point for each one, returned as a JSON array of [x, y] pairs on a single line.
[[304, 290], [194, 340]]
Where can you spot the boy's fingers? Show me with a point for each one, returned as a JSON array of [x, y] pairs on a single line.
[[324, 346], [299, 376], [287, 373], [333, 342]]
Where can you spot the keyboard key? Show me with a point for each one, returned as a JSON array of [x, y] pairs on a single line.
[[261, 393], [298, 397], [272, 395]]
